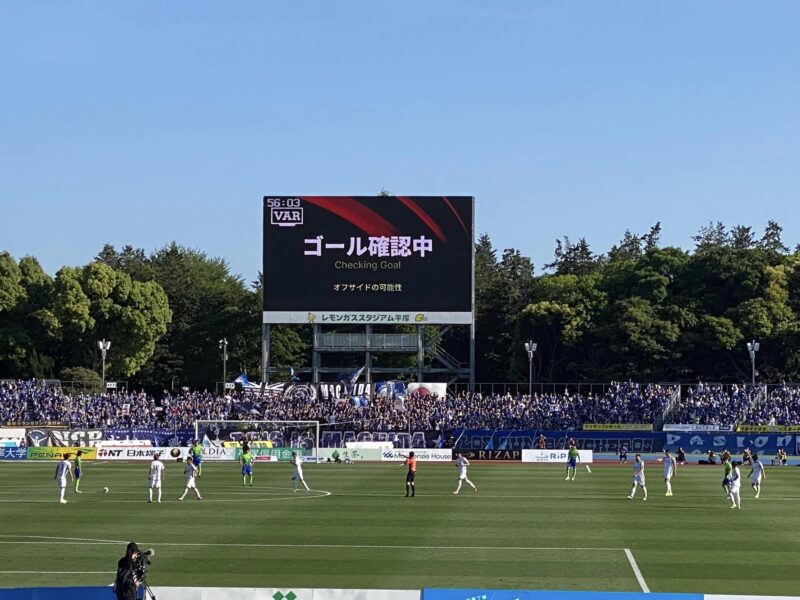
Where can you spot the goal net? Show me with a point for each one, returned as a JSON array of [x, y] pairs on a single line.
[[275, 439]]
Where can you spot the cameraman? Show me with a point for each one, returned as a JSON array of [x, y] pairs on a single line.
[[126, 583]]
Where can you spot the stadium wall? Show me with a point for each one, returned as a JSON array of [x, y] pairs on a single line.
[[196, 593], [608, 442], [635, 441]]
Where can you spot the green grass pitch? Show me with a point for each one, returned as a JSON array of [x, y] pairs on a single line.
[[526, 528]]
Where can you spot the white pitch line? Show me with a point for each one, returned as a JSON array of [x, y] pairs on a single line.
[[313, 495], [61, 538], [57, 572], [636, 571], [325, 546]]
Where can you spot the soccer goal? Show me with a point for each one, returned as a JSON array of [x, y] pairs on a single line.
[[277, 434]]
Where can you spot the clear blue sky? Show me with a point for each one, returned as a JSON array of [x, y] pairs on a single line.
[[145, 122]]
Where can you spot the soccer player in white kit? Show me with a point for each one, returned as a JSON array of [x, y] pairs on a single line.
[[638, 477], [191, 474], [297, 475], [156, 475], [462, 464], [736, 487], [63, 469], [757, 474], [670, 466]]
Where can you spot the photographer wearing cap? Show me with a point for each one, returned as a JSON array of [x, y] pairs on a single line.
[[126, 582]]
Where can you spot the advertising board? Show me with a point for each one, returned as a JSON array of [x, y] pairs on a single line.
[[422, 455], [491, 454], [598, 441], [268, 454], [481, 594], [743, 428], [690, 427], [345, 455], [242, 593], [617, 427], [555, 456], [57, 453], [13, 453], [367, 259], [146, 453], [385, 445], [699, 443], [159, 436], [253, 444]]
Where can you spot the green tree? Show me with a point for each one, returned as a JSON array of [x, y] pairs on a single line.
[[97, 302], [559, 319]]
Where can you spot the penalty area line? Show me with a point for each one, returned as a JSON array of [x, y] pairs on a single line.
[[636, 571]]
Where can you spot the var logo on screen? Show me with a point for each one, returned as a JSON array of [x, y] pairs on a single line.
[[286, 217]]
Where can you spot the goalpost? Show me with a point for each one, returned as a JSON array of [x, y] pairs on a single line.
[[302, 435]]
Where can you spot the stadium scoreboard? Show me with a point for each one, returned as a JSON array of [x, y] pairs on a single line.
[[368, 259]]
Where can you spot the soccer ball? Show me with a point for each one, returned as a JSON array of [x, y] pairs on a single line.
[[105, 490]]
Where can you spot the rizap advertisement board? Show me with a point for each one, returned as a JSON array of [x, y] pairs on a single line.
[[145, 453], [13, 453], [51, 453], [422, 455], [491, 454], [554, 456]]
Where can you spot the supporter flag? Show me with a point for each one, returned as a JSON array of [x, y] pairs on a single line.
[[292, 376], [360, 401], [242, 380], [352, 378]]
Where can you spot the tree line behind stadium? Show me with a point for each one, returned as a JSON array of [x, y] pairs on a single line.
[[640, 311]]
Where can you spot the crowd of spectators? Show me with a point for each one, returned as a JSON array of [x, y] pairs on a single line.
[[33, 401], [716, 405], [728, 406]]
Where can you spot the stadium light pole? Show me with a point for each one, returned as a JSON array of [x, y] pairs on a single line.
[[223, 345], [105, 346], [752, 348], [530, 348]]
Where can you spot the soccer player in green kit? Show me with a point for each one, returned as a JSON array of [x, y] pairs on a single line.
[[246, 460], [727, 479], [196, 452], [572, 462], [78, 471]]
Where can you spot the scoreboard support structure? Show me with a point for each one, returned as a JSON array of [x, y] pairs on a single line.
[[447, 367]]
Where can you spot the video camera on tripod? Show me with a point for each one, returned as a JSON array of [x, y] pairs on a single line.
[[141, 563]]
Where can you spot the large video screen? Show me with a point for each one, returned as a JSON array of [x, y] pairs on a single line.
[[368, 260]]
